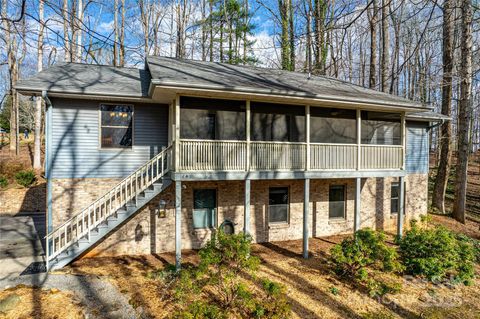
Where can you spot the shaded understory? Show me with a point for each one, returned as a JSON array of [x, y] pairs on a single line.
[[312, 290]]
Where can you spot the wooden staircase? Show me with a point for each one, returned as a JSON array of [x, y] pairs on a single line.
[[75, 236]]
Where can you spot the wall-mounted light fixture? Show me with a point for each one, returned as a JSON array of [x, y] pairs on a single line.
[[161, 211]]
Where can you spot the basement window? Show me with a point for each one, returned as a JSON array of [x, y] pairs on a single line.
[[116, 129], [336, 197], [278, 209], [204, 208], [395, 198]]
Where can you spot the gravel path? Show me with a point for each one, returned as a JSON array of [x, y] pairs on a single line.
[[100, 298], [21, 262]]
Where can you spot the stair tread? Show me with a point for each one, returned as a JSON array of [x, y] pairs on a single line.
[[104, 228]]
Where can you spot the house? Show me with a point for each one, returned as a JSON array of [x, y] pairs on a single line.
[[149, 161]]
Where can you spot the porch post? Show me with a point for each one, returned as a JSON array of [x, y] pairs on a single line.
[[401, 207], [247, 134], [176, 109], [404, 139], [358, 189], [306, 208], [178, 224], [359, 138], [307, 137], [246, 213]]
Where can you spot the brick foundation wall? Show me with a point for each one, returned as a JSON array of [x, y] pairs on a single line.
[[147, 233], [71, 195]]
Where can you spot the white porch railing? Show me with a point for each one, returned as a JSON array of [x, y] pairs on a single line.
[[211, 155], [333, 156], [80, 225], [277, 156], [381, 157]]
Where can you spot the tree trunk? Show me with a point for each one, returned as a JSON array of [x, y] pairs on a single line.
[[291, 32], [465, 111], [79, 31], [373, 44], [37, 164], [66, 38], [115, 36], [13, 75], [441, 181], [121, 53], [385, 45]]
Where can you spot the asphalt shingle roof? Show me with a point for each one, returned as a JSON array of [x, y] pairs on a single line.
[[76, 78], [89, 79], [200, 74]]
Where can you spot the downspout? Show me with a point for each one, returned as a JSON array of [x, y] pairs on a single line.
[[436, 125], [48, 158]]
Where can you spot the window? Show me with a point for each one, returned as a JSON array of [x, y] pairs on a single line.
[[395, 198], [330, 125], [277, 122], [394, 195], [278, 205], [116, 125], [381, 128], [336, 197], [212, 119], [204, 208]]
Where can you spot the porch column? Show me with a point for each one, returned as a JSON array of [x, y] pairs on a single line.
[[246, 213], [306, 208], [247, 134], [401, 207], [307, 137], [176, 133], [178, 224], [358, 190], [359, 138], [404, 138]]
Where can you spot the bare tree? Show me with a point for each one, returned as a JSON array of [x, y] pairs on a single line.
[[441, 180], [38, 103], [464, 113], [373, 19], [385, 45]]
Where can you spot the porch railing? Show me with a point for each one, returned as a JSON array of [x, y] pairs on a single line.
[[333, 156], [213, 155], [381, 156], [277, 156]]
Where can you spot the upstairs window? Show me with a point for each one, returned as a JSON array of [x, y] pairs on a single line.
[[330, 125], [278, 205], [381, 128], [116, 126]]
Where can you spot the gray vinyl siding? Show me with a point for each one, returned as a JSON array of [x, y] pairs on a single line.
[[417, 147], [76, 151]]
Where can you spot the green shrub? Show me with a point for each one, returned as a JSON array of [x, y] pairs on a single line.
[[223, 284], [367, 249], [436, 253], [25, 178], [3, 182]]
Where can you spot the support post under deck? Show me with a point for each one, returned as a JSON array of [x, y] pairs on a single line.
[[306, 207], [401, 207], [358, 190], [178, 224], [246, 214]]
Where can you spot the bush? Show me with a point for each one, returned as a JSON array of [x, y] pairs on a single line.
[[222, 285], [25, 178], [3, 182], [436, 253], [367, 249]]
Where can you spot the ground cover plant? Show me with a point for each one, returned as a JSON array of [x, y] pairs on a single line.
[[25, 178], [225, 284], [361, 257], [438, 254]]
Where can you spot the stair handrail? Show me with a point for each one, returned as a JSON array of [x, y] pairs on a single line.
[[130, 187]]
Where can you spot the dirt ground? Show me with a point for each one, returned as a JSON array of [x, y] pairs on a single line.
[[26, 302], [15, 198], [313, 291], [473, 187]]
